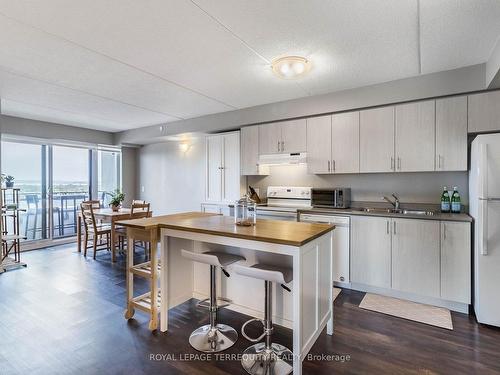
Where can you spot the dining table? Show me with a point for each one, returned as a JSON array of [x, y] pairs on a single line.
[[106, 215]]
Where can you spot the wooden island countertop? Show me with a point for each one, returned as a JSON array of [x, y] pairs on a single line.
[[273, 231]]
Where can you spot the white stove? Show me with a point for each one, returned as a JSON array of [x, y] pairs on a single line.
[[283, 202]]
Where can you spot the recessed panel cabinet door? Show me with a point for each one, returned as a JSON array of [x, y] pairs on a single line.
[[294, 136], [376, 136], [345, 143], [416, 256], [250, 150], [270, 138], [415, 136], [214, 168], [484, 112], [231, 167], [319, 144], [456, 261], [451, 134], [371, 251]]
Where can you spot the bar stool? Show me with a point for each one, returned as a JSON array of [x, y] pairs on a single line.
[[213, 337], [266, 357]]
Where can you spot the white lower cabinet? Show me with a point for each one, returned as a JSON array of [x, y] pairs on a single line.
[[428, 258], [371, 251], [415, 256], [456, 261]]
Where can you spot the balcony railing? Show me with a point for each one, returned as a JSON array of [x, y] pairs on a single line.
[[34, 221]]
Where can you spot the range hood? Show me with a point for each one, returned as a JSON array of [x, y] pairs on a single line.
[[283, 159]]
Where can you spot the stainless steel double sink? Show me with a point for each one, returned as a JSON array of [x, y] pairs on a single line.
[[399, 211]]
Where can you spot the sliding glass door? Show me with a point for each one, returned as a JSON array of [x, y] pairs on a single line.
[[53, 180], [27, 163], [70, 186]]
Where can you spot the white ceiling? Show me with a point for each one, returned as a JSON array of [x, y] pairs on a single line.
[[122, 64]]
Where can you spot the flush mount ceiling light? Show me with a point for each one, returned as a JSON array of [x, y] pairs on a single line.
[[289, 67]]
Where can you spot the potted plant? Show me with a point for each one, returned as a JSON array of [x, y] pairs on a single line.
[[9, 181], [117, 198]]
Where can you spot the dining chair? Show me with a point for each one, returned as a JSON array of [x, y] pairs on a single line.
[[97, 230], [139, 209]]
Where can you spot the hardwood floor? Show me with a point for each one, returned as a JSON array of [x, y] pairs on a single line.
[[64, 314]]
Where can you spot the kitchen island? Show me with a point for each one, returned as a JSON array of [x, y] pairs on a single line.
[[305, 247]]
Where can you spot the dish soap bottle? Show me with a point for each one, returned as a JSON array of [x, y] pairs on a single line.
[[445, 200], [456, 205]]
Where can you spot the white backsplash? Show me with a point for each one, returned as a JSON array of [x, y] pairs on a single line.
[[411, 187]]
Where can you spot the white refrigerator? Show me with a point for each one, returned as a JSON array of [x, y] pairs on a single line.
[[484, 200]]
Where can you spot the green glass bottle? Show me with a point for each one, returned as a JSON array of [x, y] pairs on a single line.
[[456, 205], [445, 201]]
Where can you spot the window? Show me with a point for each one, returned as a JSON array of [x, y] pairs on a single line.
[[54, 180], [27, 163], [108, 174]]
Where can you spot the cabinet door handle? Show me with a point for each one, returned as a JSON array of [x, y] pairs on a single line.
[[328, 165], [440, 162], [279, 146], [395, 232], [392, 163], [399, 163], [334, 166], [282, 146], [444, 231], [388, 227]]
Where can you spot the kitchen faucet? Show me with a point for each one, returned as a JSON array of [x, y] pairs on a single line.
[[396, 202]]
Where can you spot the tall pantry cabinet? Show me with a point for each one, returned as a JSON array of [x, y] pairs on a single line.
[[223, 181]]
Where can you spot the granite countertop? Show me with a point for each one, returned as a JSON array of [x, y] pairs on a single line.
[[356, 210], [275, 231]]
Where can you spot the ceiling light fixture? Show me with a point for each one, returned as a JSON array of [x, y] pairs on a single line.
[[290, 66]]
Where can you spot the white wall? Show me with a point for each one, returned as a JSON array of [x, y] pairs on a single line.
[[411, 187], [173, 181], [129, 174]]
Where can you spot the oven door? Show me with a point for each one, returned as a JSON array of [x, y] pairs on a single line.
[[323, 198], [276, 215]]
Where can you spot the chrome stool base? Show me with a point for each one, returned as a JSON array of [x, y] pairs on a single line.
[[212, 340], [257, 360]]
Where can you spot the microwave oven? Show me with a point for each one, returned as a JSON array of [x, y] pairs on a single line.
[[331, 198]]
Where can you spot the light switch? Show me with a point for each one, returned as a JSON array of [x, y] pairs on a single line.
[[142, 188]]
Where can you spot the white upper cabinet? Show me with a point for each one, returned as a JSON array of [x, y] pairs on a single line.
[[415, 136], [484, 112], [250, 152], [451, 134], [376, 140], [294, 136], [345, 143], [283, 137], [270, 138], [319, 144], [223, 181], [416, 256]]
